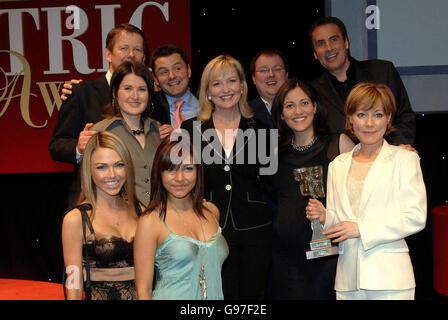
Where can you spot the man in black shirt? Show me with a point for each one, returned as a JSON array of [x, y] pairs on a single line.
[[331, 47]]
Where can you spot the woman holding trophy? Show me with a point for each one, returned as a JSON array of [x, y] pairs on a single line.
[[376, 198], [304, 144]]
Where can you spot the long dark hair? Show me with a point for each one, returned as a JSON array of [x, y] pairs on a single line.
[[285, 133], [125, 68], [162, 162]]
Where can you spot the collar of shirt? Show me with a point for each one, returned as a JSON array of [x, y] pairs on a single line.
[[343, 88], [148, 124], [350, 75], [171, 100], [189, 108], [267, 104], [108, 76]]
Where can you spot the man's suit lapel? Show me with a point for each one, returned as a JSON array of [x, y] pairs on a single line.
[[362, 74], [261, 112], [161, 108], [102, 89]]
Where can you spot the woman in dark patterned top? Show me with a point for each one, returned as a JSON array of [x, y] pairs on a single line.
[[98, 234], [304, 142]]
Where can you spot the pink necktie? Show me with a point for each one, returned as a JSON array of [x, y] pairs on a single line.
[[178, 116]]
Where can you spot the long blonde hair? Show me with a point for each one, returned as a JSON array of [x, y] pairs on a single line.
[[219, 64], [105, 139]]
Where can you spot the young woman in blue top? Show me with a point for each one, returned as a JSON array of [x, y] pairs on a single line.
[[178, 236]]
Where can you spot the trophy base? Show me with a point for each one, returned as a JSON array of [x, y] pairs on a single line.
[[323, 252], [320, 244]]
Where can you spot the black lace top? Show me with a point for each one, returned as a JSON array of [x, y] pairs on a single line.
[[111, 264]]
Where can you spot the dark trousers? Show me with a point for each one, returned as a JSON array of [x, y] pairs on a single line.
[[245, 271]]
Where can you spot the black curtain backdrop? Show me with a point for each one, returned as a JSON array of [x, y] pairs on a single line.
[[33, 204]]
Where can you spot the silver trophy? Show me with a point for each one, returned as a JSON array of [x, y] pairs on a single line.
[[311, 186]]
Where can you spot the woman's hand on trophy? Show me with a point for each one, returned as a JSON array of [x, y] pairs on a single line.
[[343, 231], [315, 210]]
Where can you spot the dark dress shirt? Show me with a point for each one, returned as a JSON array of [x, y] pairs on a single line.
[[332, 96]]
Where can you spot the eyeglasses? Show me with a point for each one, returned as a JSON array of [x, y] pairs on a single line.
[[266, 70]]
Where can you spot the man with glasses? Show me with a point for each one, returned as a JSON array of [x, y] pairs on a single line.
[[269, 69], [174, 103]]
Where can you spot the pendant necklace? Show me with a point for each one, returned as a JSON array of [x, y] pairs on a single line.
[[202, 253]]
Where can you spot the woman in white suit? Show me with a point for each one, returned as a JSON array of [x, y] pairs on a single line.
[[376, 198]]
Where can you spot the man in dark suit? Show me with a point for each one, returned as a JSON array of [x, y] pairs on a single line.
[[269, 69], [331, 47], [84, 106]]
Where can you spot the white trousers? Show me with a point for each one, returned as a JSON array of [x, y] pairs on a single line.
[[407, 294]]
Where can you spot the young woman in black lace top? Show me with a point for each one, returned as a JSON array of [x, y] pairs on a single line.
[[98, 234]]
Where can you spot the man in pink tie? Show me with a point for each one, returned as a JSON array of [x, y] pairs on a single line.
[[172, 74], [178, 115]]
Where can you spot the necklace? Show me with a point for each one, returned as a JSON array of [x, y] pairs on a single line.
[[138, 131], [135, 132], [202, 279], [303, 148]]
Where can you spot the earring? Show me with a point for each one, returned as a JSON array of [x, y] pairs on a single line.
[[209, 98], [281, 117]]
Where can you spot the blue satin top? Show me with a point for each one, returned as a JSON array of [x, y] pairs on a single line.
[[178, 264]]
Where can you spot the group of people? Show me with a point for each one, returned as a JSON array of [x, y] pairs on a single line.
[[152, 222]]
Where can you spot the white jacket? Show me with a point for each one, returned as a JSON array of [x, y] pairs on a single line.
[[392, 207]]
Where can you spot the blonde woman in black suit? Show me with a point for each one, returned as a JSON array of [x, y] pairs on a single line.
[[227, 127]]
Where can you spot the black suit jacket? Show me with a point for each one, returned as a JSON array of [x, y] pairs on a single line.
[[235, 188], [84, 105], [370, 71], [161, 111], [261, 112]]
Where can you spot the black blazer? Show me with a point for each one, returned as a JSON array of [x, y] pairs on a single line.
[[236, 189], [84, 105], [372, 71], [261, 112], [161, 108]]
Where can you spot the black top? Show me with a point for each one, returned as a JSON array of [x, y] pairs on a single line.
[[295, 277], [107, 253], [235, 184], [343, 88], [331, 97]]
